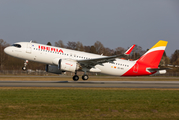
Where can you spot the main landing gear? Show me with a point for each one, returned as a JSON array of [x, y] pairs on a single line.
[[85, 77], [25, 64], [76, 77]]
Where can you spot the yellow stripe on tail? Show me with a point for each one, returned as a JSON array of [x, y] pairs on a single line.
[[160, 44]]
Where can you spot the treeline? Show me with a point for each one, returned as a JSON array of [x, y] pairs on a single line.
[[98, 48], [10, 63]]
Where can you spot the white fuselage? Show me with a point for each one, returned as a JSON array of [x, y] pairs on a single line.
[[47, 54]]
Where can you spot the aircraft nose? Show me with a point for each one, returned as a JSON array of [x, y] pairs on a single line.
[[7, 50]]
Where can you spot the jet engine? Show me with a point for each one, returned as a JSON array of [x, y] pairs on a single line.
[[68, 65], [62, 65]]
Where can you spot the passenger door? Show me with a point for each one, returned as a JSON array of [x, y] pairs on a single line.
[[29, 48]]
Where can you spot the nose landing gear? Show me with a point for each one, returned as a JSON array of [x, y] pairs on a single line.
[[25, 64]]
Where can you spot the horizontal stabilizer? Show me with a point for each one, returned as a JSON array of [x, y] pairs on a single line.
[[156, 69]]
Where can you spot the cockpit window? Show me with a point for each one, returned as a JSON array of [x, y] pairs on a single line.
[[17, 45]]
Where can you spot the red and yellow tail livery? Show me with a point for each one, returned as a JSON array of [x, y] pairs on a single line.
[[153, 56], [150, 60]]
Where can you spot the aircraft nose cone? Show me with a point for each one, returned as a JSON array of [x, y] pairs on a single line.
[[6, 50]]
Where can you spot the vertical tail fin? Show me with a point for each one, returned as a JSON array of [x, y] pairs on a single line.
[[153, 56]]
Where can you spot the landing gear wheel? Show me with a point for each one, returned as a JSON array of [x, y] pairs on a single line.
[[24, 68], [25, 64], [75, 78], [85, 77]]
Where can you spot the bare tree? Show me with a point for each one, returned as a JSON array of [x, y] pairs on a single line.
[[79, 46], [108, 52], [119, 50], [137, 52], [3, 43], [99, 47], [164, 61], [71, 45], [175, 58], [87, 48], [92, 49], [3, 56], [59, 44]]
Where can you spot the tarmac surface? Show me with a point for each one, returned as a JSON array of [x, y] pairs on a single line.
[[93, 84]]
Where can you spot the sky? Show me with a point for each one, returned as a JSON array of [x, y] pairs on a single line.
[[115, 23]]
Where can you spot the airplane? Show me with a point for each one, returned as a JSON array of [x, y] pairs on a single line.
[[59, 60]]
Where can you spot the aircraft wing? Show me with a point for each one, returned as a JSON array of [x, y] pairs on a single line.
[[95, 61], [89, 63]]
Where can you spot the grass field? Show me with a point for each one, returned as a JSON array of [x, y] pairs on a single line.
[[74, 103]]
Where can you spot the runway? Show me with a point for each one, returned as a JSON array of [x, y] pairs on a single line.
[[93, 84]]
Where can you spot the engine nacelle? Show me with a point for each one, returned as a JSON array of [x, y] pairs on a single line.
[[66, 65], [53, 69]]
